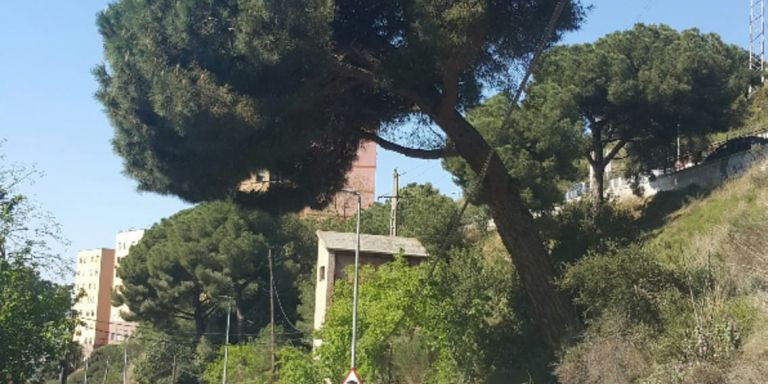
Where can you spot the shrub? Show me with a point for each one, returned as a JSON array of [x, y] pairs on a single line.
[[625, 281], [576, 231]]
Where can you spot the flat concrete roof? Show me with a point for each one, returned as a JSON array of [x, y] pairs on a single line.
[[347, 241]]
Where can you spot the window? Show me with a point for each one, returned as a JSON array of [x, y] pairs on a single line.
[[322, 274]]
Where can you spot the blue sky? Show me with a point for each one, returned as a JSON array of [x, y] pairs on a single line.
[[49, 118]]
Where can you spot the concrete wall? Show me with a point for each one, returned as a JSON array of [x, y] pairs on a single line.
[[323, 283], [706, 175]]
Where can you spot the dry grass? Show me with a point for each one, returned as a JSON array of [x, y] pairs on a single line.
[[611, 353]]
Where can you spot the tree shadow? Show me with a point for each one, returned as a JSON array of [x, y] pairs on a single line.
[[660, 209]]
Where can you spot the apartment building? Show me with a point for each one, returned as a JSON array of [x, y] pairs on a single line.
[[93, 281], [361, 178], [119, 329]]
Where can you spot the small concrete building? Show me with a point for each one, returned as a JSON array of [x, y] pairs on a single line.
[[336, 251]]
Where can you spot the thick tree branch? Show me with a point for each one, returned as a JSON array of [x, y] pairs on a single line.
[[590, 159], [410, 152], [615, 150]]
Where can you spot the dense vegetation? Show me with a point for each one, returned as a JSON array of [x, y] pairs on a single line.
[[36, 323], [203, 95], [667, 290]]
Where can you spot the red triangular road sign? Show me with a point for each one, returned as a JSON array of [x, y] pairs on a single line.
[[352, 377]]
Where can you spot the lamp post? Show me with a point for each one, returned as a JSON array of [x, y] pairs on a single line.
[[354, 284], [226, 341]]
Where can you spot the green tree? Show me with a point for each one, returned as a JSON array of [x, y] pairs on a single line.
[[185, 265], [202, 95], [36, 325], [105, 364], [539, 147], [637, 90], [423, 213], [469, 324], [166, 358], [246, 362], [26, 231]]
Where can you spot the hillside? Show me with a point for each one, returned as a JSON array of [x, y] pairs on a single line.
[[686, 303]]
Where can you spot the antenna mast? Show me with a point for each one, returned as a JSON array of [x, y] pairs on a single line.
[[757, 37]]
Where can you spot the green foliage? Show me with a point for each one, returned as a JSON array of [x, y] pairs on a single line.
[[423, 213], [637, 90], [246, 363], [682, 306], [184, 265], [626, 281], [296, 366], [165, 359], [755, 117], [105, 365], [539, 144], [202, 95], [383, 297], [470, 324], [36, 325], [576, 230], [26, 231]]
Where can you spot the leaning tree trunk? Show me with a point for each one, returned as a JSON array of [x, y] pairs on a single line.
[[515, 226], [239, 323], [597, 186]]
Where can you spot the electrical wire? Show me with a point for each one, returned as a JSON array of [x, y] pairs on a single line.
[[475, 189]]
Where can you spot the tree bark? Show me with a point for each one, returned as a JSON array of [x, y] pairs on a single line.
[[515, 226], [240, 320], [597, 186], [598, 162], [199, 315]]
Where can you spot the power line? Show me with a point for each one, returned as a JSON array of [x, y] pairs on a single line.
[[474, 189], [285, 317]]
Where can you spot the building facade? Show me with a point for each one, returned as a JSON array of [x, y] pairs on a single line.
[[93, 282], [361, 178], [336, 251], [119, 329]]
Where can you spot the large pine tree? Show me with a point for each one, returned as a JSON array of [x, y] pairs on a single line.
[[202, 94]]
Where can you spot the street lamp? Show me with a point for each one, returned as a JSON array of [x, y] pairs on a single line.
[[354, 286], [226, 339]]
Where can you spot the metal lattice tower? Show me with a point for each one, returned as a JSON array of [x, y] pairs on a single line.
[[757, 37]]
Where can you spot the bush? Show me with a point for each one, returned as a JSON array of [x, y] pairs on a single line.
[[612, 352], [625, 281], [296, 366], [576, 231], [246, 363]]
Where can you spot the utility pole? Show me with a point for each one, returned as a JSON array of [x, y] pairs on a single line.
[[104, 379], [65, 365], [393, 201], [757, 37], [86, 372], [271, 317], [173, 370], [125, 361], [355, 282], [226, 344]]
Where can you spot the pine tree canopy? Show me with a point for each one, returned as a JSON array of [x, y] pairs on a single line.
[[202, 94]]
